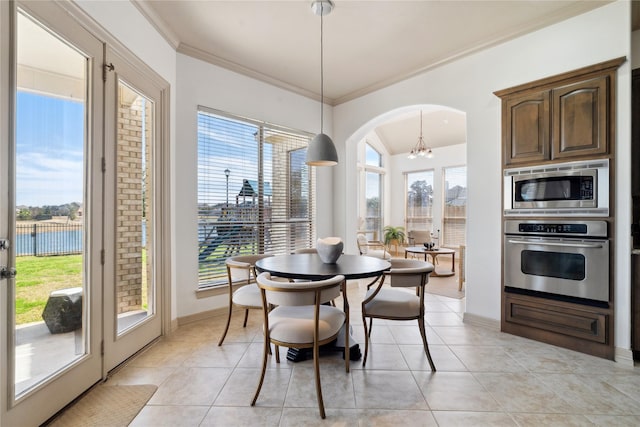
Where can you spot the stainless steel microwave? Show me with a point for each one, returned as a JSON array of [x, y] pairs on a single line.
[[560, 189]]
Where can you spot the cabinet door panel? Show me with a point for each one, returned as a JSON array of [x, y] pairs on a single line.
[[527, 128], [580, 118]]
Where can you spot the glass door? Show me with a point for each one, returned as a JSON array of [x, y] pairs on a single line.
[[133, 184], [52, 208]]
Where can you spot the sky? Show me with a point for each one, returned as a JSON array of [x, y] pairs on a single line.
[[49, 150]]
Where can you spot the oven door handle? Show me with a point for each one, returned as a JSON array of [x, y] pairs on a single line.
[[566, 245]]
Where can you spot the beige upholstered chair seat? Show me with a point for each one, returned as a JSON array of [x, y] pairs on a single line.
[[248, 296], [292, 324], [392, 303]]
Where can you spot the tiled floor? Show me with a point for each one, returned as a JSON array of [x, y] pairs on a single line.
[[484, 377]]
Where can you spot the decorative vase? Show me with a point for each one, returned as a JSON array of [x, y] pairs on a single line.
[[329, 249]]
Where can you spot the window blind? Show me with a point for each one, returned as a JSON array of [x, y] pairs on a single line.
[[454, 217], [419, 200], [255, 192]]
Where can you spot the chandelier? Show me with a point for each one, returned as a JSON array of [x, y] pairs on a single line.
[[421, 150]]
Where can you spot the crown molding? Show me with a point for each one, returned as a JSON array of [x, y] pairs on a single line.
[[237, 68], [157, 22]]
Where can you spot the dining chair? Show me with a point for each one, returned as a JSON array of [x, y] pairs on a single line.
[[398, 304], [241, 272], [372, 248], [300, 319], [306, 251]]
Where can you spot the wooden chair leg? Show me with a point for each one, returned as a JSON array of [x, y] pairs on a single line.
[[246, 316], [366, 341], [425, 344], [226, 328], [316, 367], [264, 370]]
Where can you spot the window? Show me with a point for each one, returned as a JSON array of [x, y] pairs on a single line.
[[419, 200], [255, 192], [371, 188], [454, 215]]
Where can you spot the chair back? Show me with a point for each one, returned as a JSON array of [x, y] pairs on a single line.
[[299, 293], [361, 239], [241, 268], [418, 237], [306, 251], [408, 273]]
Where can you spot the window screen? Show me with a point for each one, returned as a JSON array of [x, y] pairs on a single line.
[[255, 192], [419, 204], [454, 217]]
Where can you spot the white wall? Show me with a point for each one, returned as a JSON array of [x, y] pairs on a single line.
[[200, 83], [468, 85]]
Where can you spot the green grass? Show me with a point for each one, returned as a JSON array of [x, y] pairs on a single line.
[[37, 277]]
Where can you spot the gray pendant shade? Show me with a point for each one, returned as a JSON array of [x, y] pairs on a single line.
[[321, 151]]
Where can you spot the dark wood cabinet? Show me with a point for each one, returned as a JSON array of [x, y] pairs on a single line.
[[561, 118], [526, 134], [580, 112]]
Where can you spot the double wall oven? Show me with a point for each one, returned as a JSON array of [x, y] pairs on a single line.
[[556, 241]]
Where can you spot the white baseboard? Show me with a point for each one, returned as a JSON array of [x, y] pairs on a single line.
[[624, 356], [485, 322]]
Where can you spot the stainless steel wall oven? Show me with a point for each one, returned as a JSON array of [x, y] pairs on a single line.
[[560, 257]]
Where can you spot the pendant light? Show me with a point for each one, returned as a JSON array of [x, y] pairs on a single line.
[[321, 150], [421, 149]]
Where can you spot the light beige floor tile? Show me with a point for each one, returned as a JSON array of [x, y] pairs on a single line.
[[458, 335], [523, 393], [590, 395], [383, 356], [387, 390], [242, 384], [432, 306], [380, 334], [486, 359], [134, 375], [310, 417], [626, 383], [164, 354], [337, 388], [242, 417], [191, 386], [475, 419], [455, 391], [564, 420], [214, 356], [252, 358], [443, 358], [540, 359], [614, 420], [444, 319], [387, 418], [410, 333], [170, 416]]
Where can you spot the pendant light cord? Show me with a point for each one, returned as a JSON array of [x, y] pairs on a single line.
[[321, 69]]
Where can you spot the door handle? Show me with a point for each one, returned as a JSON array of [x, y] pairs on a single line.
[[7, 273], [562, 245]]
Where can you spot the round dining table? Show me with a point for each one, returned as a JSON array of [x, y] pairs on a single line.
[[311, 267]]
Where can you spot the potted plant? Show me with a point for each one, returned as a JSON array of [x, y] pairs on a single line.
[[393, 235]]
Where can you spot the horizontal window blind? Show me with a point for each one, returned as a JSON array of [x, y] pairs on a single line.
[[255, 192], [454, 216], [419, 207]]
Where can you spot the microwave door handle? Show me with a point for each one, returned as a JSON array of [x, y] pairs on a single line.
[[566, 245]]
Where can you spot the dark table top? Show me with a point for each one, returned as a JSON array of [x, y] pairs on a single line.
[[311, 267]]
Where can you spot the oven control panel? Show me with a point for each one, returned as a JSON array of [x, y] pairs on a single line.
[[551, 227]]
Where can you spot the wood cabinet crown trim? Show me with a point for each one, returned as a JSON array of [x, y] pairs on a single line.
[[553, 81]]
